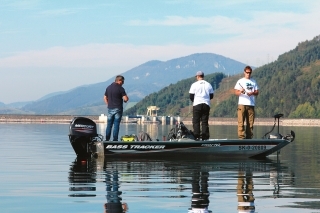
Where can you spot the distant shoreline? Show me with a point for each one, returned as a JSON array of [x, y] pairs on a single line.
[[42, 118], [212, 120]]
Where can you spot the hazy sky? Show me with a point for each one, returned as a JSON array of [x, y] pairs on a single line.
[[50, 46]]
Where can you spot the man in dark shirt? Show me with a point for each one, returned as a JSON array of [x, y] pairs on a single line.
[[114, 97]]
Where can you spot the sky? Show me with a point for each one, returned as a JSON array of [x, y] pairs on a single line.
[[52, 46]]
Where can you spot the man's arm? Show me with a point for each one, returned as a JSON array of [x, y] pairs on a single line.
[[239, 92], [255, 93], [105, 98], [125, 98], [191, 96]]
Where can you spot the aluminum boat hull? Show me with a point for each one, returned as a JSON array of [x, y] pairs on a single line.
[[246, 148]]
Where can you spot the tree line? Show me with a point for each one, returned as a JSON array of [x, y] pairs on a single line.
[[289, 85]]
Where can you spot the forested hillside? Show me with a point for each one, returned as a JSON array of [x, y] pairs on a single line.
[[289, 85], [174, 99]]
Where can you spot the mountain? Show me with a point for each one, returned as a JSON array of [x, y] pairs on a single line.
[[52, 94], [18, 105], [15, 109], [140, 81], [174, 99], [289, 85]]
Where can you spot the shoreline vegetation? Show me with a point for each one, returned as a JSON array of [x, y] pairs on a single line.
[[62, 119]]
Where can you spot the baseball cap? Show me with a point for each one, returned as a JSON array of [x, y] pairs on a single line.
[[199, 73]]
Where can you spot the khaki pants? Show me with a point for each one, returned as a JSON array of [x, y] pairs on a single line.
[[245, 113], [245, 191]]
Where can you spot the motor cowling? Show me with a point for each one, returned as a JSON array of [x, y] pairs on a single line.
[[81, 126], [82, 135]]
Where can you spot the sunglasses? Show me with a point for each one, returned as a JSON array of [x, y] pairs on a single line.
[[248, 73]]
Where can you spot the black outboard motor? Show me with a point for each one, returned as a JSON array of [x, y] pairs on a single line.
[[82, 136]]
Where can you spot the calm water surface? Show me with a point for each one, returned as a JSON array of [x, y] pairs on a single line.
[[39, 173]]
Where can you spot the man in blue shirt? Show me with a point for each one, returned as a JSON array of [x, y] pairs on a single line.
[[114, 97]]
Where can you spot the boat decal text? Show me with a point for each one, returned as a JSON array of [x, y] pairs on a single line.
[[135, 146], [84, 126], [253, 147], [211, 144]]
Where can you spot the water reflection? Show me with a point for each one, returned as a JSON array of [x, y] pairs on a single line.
[[114, 204], [169, 180], [158, 186], [200, 193], [245, 192], [82, 178]]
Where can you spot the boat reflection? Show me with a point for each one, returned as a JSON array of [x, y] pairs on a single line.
[[82, 180], [199, 179]]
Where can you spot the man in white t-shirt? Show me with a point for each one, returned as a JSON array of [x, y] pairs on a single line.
[[246, 88], [201, 92]]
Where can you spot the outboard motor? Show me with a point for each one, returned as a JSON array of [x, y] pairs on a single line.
[[83, 136]]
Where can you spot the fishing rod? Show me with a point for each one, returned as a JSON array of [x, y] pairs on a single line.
[[245, 93], [185, 116], [180, 130]]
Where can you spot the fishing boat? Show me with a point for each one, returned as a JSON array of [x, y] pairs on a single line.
[[180, 142]]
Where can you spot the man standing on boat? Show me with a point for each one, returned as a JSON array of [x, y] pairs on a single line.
[[246, 88], [201, 92], [114, 97]]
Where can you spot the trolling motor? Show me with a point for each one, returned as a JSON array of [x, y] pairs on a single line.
[[277, 135], [84, 138]]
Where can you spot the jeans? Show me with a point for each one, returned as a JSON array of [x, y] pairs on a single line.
[[245, 113], [201, 114], [114, 118]]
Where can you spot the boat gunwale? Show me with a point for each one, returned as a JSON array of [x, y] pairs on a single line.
[[223, 141]]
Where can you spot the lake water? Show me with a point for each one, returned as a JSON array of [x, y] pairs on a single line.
[[39, 173]]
